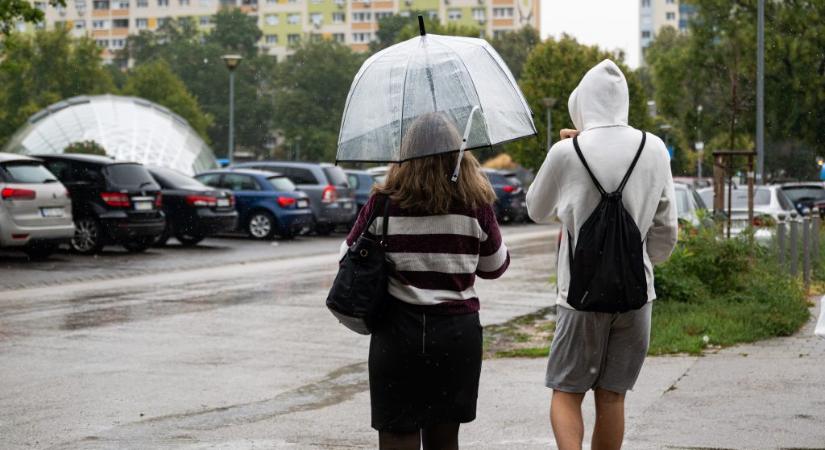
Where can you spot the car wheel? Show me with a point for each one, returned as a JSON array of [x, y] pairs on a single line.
[[261, 225], [40, 252], [324, 230], [88, 238], [189, 240], [138, 245]]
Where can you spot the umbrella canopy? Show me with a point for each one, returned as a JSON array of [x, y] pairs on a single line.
[[462, 80]]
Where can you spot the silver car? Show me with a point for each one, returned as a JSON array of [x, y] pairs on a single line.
[[768, 202], [35, 209], [688, 204]]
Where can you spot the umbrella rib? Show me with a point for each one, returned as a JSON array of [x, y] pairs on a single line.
[[403, 97]]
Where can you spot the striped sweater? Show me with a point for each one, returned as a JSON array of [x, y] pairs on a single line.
[[437, 257]]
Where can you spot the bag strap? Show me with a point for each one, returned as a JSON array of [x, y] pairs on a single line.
[[590, 172], [633, 164], [385, 223]]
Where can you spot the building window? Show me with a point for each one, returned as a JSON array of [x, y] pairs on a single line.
[[454, 14], [645, 3], [502, 13], [382, 15], [162, 21], [433, 13], [361, 38], [670, 16], [498, 34], [271, 39], [118, 43], [360, 17], [646, 34], [339, 37], [271, 2], [479, 14], [205, 21], [102, 43], [164, 3], [80, 25], [272, 19], [100, 24], [183, 2], [101, 4], [141, 24], [293, 18], [40, 5], [123, 4], [339, 17], [316, 18], [120, 23], [142, 3], [293, 38], [670, 2]]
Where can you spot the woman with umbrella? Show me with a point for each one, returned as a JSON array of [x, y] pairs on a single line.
[[406, 107]]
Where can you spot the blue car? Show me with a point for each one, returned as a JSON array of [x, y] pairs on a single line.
[[362, 182], [511, 205], [268, 203]]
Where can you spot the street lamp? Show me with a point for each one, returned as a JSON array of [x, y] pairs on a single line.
[[549, 102], [232, 62], [700, 145]]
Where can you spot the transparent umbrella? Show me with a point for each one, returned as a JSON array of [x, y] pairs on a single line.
[[462, 80]]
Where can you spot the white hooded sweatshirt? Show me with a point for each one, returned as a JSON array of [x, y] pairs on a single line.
[[563, 190]]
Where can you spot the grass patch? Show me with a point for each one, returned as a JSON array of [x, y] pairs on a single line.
[[712, 293]]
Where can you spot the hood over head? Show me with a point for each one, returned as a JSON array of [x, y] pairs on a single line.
[[601, 98]]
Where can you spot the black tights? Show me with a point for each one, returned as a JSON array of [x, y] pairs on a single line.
[[434, 437]]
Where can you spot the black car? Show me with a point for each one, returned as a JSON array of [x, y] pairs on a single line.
[[113, 202], [510, 196], [193, 210]]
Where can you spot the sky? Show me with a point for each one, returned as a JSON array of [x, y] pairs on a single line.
[[610, 24]]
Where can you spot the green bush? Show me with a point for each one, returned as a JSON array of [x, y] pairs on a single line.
[[715, 291]]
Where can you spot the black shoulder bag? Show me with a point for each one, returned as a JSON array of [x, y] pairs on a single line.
[[357, 295], [607, 271]]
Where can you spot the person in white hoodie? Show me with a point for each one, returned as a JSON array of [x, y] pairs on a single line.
[[595, 350]]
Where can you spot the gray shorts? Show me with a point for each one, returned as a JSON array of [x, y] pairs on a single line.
[[598, 350]]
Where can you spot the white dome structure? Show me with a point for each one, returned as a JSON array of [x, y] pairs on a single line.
[[129, 128]]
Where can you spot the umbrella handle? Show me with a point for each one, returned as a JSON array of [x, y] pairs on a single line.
[[464, 143]]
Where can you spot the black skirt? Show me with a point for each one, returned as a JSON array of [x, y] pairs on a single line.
[[424, 368]]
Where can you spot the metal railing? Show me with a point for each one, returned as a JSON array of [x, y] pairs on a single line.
[[791, 248]]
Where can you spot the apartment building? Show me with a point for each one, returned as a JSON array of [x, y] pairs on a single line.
[[284, 22], [657, 14]]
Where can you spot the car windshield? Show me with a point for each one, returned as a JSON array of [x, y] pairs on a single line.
[[336, 176], [132, 176], [282, 184], [739, 197], [172, 179], [804, 193], [28, 172], [682, 202]]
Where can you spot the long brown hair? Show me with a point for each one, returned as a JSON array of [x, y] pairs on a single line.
[[423, 184]]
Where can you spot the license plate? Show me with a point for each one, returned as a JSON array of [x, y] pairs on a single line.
[[346, 205], [143, 206], [52, 212], [303, 203], [223, 202]]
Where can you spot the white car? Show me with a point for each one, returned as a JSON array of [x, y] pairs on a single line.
[[688, 204], [768, 201], [35, 209]]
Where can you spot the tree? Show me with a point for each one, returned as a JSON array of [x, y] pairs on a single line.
[[514, 46], [85, 148], [389, 27], [312, 89], [156, 82], [40, 69], [553, 70], [13, 11]]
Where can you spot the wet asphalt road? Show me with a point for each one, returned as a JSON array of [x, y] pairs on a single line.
[[224, 345]]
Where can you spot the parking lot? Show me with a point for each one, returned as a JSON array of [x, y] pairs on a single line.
[[197, 346]]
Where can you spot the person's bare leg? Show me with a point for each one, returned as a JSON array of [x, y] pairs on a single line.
[[440, 437], [566, 420], [608, 432], [399, 441]]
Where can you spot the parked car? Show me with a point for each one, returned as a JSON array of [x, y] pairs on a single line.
[[362, 182], [331, 197], [193, 210], [688, 204], [769, 202], [35, 209], [379, 173], [268, 203], [113, 202], [805, 196], [510, 196]]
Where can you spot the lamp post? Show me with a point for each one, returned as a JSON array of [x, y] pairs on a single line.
[[700, 145], [549, 102], [232, 62]]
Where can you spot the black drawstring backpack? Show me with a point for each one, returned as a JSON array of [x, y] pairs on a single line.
[[358, 294], [607, 272]]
